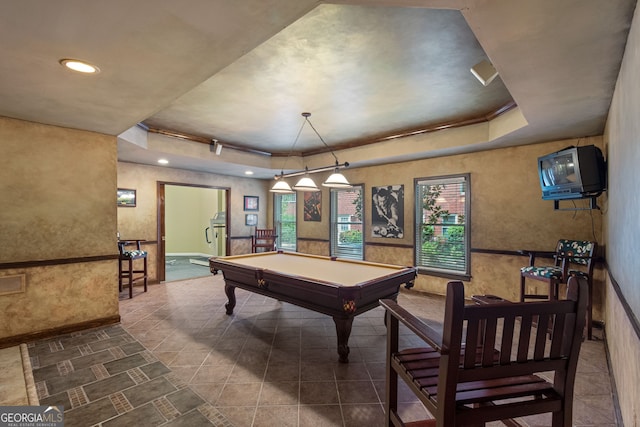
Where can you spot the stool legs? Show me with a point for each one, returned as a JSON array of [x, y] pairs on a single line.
[[130, 278], [127, 272], [120, 275], [589, 313], [145, 274], [553, 294]]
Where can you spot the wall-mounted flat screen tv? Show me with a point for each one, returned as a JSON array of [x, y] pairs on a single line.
[[572, 173]]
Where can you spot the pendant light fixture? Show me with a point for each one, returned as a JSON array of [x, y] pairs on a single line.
[[335, 180], [281, 187], [306, 184]]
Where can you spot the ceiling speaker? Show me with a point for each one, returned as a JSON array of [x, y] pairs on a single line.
[[484, 72]]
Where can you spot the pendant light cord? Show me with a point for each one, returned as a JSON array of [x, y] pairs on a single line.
[[292, 147], [306, 117]]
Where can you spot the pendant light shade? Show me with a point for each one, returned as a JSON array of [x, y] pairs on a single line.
[[337, 180], [305, 184], [282, 187]]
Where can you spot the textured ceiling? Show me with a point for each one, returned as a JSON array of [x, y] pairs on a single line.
[[369, 71], [363, 72]]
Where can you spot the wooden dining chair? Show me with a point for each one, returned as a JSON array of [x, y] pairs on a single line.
[[264, 240]]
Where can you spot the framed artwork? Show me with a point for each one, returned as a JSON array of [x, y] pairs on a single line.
[[251, 219], [387, 211], [312, 205], [126, 198], [251, 203]]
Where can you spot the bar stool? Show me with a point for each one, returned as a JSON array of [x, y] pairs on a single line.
[[126, 268]]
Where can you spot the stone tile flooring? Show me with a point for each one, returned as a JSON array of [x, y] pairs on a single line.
[[178, 360]]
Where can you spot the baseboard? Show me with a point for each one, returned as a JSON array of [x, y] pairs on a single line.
[[614, 389], [47, 333]]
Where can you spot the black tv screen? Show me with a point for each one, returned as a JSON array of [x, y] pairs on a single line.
[[572, 173]]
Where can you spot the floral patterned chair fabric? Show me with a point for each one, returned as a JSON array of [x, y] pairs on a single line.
[[133, 254], [571, 258]]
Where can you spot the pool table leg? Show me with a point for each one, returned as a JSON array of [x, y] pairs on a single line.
[[343, 330], [231, 294]]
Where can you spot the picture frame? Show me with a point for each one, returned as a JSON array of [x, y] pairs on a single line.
[[312, 206], [251, 203], [126, 198], [387, 211], [251, 219]]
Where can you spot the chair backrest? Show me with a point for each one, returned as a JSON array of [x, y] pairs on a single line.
[[577, 255], [264, 238], [583, 249], [265, 233], [522, 348]]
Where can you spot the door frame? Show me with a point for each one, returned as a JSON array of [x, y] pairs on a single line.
[[161, 220]]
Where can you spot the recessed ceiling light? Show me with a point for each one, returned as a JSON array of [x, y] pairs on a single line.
[[163, 161], [248, 172], [79, 66]]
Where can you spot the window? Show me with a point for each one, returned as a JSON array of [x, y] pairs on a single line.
[[448, 219], [285, 221], [442, 225], [346, 223]]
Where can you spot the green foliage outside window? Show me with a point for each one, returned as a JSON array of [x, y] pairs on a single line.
[[358, 203], [350, 236], [288, 230], [430, 203]]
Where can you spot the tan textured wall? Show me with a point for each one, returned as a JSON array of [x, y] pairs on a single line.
[[142, 221], [313, 247], [622, 230], [58, 192], [507, 213], [385, 255], [240, 246], [60, 295], [58, 201]]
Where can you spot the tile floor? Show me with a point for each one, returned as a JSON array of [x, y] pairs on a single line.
[[178, 360]]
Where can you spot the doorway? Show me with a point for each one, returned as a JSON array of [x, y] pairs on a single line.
[[192, 227]]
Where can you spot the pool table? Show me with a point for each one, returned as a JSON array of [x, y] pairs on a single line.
[[337, 287]]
